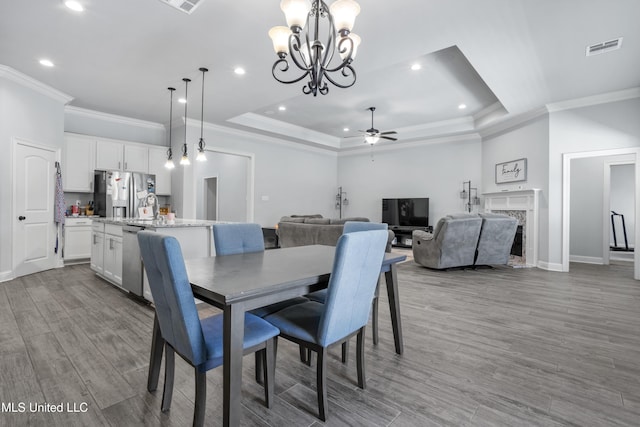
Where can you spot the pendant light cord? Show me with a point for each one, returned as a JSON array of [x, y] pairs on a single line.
[[204, 70], [186, 99], [169, 151]]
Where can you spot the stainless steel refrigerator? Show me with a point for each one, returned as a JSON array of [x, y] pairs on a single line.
[[119, 194]]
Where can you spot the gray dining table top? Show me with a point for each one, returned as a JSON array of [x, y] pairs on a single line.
[[228, 279]]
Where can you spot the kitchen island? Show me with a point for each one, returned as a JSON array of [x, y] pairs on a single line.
[[115, 255]]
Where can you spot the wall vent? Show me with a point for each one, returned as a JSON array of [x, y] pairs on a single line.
[[608, 46], [187, 6]]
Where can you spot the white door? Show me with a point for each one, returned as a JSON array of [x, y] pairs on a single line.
[[34, 231]]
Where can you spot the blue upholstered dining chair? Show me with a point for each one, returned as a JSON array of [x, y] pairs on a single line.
[[345, 313], [321, 296], [241, 238], [199, 342]]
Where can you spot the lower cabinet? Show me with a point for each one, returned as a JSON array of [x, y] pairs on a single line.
[[106, 252], [77, 239]]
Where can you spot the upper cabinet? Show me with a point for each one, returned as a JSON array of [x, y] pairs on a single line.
[[136, 158], [109, 155], [79, 160], [157, 159], [83, 154], [113, 155]]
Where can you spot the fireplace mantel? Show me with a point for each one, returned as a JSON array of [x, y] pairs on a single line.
[[521, 200]]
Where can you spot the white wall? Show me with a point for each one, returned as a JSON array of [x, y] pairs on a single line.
[[295, 179], [529, 140], [433, 170], [30, 116], [598, 127], [94, 123]]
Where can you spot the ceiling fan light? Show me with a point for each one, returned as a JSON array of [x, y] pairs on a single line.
[[372, 139], [356, 42], [296, 12], [344, 14], [280, 37]]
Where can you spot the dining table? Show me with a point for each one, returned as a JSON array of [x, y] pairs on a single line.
[[242, 282]]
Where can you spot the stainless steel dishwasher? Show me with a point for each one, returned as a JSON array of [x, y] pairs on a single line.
[[131, 260]]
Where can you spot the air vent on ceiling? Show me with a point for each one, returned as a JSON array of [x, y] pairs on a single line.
[[608, 46], [187, 6]]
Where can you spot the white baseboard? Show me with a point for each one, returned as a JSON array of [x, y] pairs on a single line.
[[550, 266], [5, 276], [586, 259]]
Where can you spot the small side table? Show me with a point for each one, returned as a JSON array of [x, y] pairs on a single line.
[[270, 238]]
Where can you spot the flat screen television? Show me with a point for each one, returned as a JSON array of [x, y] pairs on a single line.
[[411, 212]]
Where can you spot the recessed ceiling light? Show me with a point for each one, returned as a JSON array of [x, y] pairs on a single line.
[[46, 63], [182, 101], [346, 129], [239, 71], [282, 108], [74, 5], [416, 67], [462, 106]]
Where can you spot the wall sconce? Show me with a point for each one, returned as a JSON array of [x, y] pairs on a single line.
[[470, 194], [341, 200]]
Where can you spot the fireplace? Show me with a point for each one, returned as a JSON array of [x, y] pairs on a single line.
[[516, 247], [522, 205]]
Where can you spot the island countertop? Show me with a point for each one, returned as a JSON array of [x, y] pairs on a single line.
[[154, 224]]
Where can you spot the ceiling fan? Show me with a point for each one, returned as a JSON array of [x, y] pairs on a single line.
[[373, 135]]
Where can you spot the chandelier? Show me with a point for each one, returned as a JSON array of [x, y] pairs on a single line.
[[305, 49]]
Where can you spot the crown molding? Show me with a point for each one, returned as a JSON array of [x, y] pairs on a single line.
[[587, 101], [392, 146], [260, 137], [107, 117], [512, 122], [266, 124], [31, 83]]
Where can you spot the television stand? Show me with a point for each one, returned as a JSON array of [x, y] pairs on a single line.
[[404, 238]]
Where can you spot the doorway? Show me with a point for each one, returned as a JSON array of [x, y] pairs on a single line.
[[34, 232], [634, 153], [620, 224], [211, 198]]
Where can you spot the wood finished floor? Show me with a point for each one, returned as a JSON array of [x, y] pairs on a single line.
[[503, 347]]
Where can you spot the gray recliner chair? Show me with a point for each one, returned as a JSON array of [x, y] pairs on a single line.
[[452, 244], [496, 239]]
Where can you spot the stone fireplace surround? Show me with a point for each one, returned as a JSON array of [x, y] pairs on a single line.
[[523, 205]]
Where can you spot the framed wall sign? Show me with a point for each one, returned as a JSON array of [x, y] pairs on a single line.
[[513, 171]]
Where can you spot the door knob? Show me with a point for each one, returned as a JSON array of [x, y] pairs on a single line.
[[22, 218]]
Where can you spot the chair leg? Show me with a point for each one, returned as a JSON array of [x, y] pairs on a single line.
[[305, 355], [259, 367], [360, 358], [321, 384], [374, 310], [201, 398], [345, 351], [269, 355], [169, 371]]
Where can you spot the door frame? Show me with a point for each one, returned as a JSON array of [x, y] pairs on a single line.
[[58, 261], [606, 208], [566, 199], [206, 196], [250, 177]]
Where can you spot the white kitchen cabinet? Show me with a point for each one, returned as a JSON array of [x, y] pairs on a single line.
[[113, 253], [97, 248], [157, 159], [77, 239], [109, 155], [79, 160], [136, 158]]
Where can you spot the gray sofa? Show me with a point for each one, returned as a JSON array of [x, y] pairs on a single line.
[[303, 230], [452, 243], [463, 240]]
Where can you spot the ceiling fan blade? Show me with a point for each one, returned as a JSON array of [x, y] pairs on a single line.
[[353, 136], [391, 132], [389, 138]]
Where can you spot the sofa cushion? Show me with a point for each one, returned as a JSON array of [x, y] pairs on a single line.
[[321, 221], [291, 219], [343, 220]]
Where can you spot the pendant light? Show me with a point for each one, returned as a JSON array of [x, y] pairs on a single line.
[[201, 157], [169, 164], [184, 161]]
